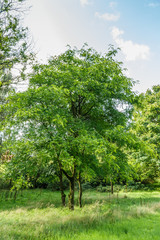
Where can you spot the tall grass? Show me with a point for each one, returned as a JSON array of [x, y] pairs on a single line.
[[38, 215]]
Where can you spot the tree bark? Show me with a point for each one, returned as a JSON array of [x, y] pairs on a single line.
[[111, 187], [80, 190], [63, 195], [71, 193], [71, 187]]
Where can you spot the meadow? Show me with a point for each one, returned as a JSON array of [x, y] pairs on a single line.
[[37, 214]]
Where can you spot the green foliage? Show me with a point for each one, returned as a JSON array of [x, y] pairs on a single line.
[[20, 183], [12, 34], [14, 49], [146, 126], [72, 118], [4, 182]]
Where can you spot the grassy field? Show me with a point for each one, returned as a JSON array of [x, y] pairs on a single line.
[[37, 214]]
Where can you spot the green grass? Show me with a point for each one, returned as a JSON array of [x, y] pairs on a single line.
[[38, 215]]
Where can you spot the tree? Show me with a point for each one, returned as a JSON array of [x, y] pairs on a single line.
[[146, 125], [70, 104], [14, 49], [12, 35], [114, 154]]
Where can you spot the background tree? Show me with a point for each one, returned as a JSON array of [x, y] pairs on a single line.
[[13, 44], [114, 154], [14, 50], [147, 126]]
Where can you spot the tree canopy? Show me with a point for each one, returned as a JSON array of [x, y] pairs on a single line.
[[70, 110]]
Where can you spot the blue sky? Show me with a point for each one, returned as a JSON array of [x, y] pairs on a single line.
[[132, 25]]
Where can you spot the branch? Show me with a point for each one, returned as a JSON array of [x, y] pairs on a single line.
[[80, 101], [66, 174], [88, 111]]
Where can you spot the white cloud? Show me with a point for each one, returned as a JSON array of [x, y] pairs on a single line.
[[112, 4], [154, 5], [84, 2], [108, 16], [116, 33], [131, 50]]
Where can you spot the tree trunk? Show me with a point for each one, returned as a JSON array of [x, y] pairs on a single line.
[[80, 190], [71, 193], [111, 187], [63, 195], [71, 187]]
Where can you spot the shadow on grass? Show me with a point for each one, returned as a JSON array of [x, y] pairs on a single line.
[[29, 199], [40, 199]]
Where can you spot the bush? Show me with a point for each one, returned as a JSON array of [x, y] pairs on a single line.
[[87, 186]]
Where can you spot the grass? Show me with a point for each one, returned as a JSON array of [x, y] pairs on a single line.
[[37, 214]]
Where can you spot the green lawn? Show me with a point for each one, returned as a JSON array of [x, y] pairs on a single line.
[[37, 214]]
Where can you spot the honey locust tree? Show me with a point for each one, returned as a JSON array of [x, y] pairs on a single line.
[[78, 94]]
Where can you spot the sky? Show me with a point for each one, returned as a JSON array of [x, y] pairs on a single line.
[[131, 25]]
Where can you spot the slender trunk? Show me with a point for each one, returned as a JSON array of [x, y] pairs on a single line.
[[71, 187], [63, 195], [80, 190], [71, 193], [111, 187], [15, 195]]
